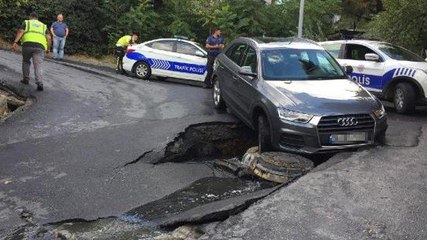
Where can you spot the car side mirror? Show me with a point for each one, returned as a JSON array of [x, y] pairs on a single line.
[[372, 57], [247, 71], [348, 69], [200, 54]]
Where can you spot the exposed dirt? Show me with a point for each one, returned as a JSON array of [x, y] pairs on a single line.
[[9, 102], [205, 141]]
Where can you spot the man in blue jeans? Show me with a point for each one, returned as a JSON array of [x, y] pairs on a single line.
[[59, 30]]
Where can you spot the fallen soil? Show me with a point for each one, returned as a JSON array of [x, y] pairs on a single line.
[[9, 102]]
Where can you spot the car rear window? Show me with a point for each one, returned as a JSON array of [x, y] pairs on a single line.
[[165, 45], [186, 48], [299, 64]]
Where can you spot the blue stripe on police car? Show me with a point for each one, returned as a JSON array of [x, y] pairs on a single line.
[[378, 82], [169, 65]]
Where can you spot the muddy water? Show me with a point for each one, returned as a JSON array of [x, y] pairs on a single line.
[[109, 228], [201, 192]]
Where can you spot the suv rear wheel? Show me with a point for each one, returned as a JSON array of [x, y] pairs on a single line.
[[404, 98], [217, 95], [264, 136]]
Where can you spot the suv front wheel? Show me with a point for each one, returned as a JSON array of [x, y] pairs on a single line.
[[404, 98], [264, 136], [217, 95]]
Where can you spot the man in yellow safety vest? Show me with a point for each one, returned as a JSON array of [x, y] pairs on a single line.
[[35, 40], [121, 47]]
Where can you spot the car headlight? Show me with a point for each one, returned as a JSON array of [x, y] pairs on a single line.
[[380, 113], [293, 116]]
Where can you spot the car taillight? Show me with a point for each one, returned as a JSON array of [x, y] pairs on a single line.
[[130, 50]]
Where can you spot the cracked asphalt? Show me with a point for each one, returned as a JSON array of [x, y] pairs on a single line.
[[374, 193], [75, 154], [67, 156]]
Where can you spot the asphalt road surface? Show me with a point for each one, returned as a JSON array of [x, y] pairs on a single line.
[[63, 157], [67, 157]]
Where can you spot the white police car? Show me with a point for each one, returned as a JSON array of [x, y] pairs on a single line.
[[390, 72], [166, 57]]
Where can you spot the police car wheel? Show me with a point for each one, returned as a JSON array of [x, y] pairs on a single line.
[[142, 70], [217, 96], [404, 98]]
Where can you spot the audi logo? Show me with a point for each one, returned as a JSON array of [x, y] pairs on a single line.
[[347, 121]]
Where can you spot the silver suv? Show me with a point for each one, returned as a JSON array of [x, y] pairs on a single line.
[[296, 95]]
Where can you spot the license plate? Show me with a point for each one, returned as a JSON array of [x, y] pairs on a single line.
[[355, 137]]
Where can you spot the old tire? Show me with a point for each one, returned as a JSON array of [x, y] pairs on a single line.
[[264, 135], [404, 98], [142, 70], [217, 95]]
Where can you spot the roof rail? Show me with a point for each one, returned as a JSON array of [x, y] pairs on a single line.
[[284, 39], [298, 39], [180, 37]]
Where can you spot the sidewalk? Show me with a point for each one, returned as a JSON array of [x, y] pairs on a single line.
[[378, 193]]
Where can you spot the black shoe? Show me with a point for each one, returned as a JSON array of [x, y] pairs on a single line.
[[39, 87], [25, 81]]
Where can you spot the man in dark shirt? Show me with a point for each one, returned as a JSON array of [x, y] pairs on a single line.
[[214, 44], [35, 39]]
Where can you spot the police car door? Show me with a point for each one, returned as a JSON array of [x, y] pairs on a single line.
[[191, 62], [368, 73], [160, 54]]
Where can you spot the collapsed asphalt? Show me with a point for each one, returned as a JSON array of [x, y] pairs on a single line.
[[62, 157]]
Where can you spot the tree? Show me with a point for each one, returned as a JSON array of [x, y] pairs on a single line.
[[318, 17], [357, 13], [403, 22]]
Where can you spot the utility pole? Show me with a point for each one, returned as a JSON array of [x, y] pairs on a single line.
[[301, 18]]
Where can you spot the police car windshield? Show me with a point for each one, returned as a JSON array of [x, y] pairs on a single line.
[[399, 53]]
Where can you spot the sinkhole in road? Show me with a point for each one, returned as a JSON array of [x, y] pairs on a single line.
[[212, 140], [9, 102], [231, 189]]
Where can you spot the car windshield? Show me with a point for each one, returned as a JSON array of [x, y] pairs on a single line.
[[399, 53], [299, 64]]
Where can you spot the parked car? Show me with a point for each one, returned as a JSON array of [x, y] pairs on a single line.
[[296, 95], [390, 72], [167, 57]]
